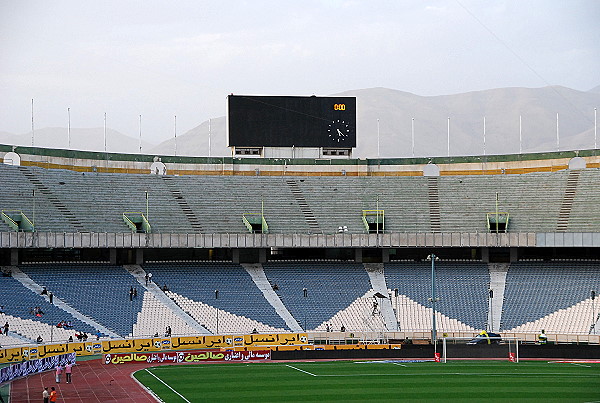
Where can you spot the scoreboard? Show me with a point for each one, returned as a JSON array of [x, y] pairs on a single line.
[[286, 121]]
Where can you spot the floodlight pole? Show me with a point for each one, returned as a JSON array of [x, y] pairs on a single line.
[[305, 293], [433, 323], [593, 327], [217, 310]]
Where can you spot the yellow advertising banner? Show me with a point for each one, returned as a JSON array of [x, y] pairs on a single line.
[[276, 339], [8, 355]]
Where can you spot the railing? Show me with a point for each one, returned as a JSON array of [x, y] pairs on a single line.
[[23, 223], [374, 217], [250, 219], [495, 220], [374, 337], [137, 218]]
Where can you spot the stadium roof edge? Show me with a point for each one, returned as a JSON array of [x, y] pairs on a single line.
[[148, 158]]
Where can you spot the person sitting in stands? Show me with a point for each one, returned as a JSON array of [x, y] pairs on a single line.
[[68, 325], [39, 339], [60, 324], [44, 291], [70, 339]]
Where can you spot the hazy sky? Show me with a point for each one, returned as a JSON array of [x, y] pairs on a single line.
[[166, 58]]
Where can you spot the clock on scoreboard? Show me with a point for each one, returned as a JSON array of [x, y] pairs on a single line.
[[287, 121]]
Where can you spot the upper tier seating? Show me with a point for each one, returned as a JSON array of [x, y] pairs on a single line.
[[67, 201]]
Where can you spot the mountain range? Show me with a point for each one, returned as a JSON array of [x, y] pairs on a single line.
[[516, 120]]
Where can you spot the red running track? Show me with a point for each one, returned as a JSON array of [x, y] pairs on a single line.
[[92, 382]]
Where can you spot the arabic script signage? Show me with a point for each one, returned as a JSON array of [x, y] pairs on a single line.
[[173, 357], [157, 344], [31, 367]]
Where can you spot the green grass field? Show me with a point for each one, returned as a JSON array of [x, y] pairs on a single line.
[[456, 381]]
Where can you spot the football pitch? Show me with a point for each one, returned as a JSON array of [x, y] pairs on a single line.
[[377, 381]]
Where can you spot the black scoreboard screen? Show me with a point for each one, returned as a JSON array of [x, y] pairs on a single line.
[[285, 121]]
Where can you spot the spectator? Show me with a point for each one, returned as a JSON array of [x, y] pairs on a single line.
[[53, 394], [39, 339], [543, 338], [6, 326], [44, 291], [70, 339], [1, 308]]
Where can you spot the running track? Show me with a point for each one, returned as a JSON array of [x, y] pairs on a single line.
[[92, 382]]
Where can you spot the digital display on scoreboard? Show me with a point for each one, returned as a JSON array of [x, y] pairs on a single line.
[[285, 121]]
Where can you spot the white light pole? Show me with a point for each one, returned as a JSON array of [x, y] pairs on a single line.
[[104, 131], [377, 138], [412, 136], [484, 135], [140, 134], [69, 128], [175, 128], [595, 127], [448, 136], [32, 131], [557, 135], [209, 136], [520, 136]]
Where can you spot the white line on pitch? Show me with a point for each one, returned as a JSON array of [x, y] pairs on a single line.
[[163, 382], [581, 365], [397, 363], [301, 370]]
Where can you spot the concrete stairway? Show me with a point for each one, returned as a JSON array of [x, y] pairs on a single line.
[[260, 279], [498, 273], [375, 272], [140, 275]]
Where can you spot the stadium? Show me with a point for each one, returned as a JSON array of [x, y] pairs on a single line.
[[291, 249]]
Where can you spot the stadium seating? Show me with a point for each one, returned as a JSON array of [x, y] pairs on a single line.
[[218, 202], [97, 291], [462, 289], [330, 289], [193, 287], [19, 302], [536, 290]]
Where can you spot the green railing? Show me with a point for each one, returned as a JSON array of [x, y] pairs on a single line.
[[17, 220], [374, 220], [254, 221], [137, 222], [497, 221]]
